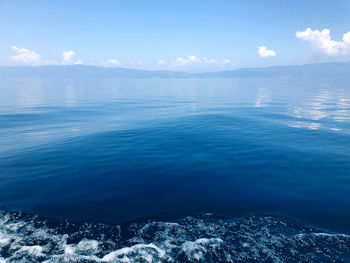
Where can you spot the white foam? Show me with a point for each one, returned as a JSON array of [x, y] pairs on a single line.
[[190, 240], [87, 247], [31, 250], [4, 240], [134, 253]]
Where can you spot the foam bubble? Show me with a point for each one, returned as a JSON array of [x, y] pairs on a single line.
[[139, 253], [201, 238]]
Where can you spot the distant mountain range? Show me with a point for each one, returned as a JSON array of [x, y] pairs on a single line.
[[322, 70]]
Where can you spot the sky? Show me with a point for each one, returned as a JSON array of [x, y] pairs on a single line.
[[174, 35]]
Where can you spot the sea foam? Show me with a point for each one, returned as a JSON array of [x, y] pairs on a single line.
[[200, 238]]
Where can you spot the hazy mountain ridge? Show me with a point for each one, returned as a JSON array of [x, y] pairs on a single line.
[[85, 71], [333, 69]]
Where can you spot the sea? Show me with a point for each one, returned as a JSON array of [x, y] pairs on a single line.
[[175, 170]]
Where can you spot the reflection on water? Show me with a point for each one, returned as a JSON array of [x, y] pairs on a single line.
[[30, 97], [70, 96], [263, 97], [306, 125], [115, 150], [115, 104], [343, 109], [324, 104]]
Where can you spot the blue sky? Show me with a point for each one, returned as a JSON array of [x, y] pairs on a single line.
[[177, 35]]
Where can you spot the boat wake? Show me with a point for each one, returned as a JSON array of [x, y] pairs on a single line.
[[199, 238]]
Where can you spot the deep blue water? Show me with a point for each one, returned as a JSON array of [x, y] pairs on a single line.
[[116, 150]]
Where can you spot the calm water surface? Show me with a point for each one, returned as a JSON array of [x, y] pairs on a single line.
[[116, 150]]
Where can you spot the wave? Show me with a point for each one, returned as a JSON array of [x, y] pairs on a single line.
[[199, 238]]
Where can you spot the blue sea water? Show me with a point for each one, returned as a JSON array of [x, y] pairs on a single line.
[[221, 170]]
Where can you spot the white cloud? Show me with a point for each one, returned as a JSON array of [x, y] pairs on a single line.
[[193, 59], [78, 62], [161, 62], [67, 58], [209, 61], [25, 56], [264, 52], [189, 60], [113, 62], [30, 57], [321, 41]]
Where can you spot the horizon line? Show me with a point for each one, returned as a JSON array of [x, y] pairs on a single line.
[[165, 70]]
